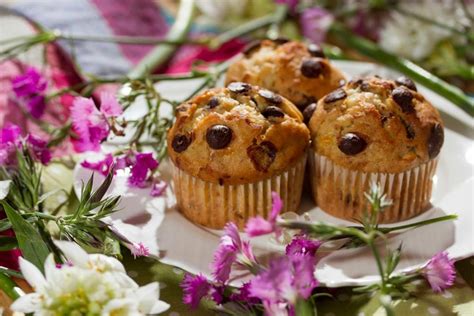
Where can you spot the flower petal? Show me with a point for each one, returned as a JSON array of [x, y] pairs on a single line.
[[32, 274], [27, 303], [73, 253], [109, 105], [258, 226]]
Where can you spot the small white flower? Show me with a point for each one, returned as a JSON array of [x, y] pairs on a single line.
[[415, 39], [91, 284]]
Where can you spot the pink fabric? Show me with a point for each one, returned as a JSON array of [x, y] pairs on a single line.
[[143, 18]]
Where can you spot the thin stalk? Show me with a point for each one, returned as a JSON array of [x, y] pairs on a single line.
[[375, 253], [246, 28], [418, 224], [8, 286], [162, 53], [370, 49]]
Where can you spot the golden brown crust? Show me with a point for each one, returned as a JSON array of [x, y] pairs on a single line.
[[258, 147], [400, 128], [278, 67]]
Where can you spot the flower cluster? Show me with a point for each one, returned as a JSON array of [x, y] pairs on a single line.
[[276, 287], [12, 141], [86, 284]]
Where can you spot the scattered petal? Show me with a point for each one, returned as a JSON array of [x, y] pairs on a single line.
[[103, 166], [440, 272], [109, 105], [143, 163], [158, 188], [139, 250]]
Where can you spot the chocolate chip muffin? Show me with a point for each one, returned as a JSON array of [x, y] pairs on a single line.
[[299, 72], [231, 147], [374, 130]]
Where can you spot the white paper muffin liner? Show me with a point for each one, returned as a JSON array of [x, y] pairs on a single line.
[[340, 191], [213, 205]]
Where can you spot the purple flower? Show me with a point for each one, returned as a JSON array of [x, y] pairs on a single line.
[[230, 250], [9, 140], [244, 295], [143, 163], [440, 272], [139, 250], [158, 188], [194, 289], [217, 294], [38, 149], [303, 271], [302, 246], [30, 88], [102, 166], [89, 124], [258, 226], [314, 24]]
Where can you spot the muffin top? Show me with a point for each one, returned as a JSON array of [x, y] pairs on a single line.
[[238, 134], [297, 71], [377, 125]]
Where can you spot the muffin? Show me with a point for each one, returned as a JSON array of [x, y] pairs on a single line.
[[230, 148], [374, 130], [299, 72]]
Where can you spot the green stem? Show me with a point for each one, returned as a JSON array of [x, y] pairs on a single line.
[[375, 252], [405, 66], [8, 286], [386, 230], [162, 53], [246, 28]]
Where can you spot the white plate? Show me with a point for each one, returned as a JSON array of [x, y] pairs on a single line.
[[181, 243]]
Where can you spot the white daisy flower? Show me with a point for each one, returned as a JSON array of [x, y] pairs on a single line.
[[87, 284]]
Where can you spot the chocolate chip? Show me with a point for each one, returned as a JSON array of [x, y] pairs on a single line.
[[410, 131], [180, 143], [272, 112], [280, 40], [218, 136], [316, 51], [213, 102], [365, 86], [403, 97], [311, 68], [307, 101], [270, 96], [336, 95], [308, 112], [351, 144], [435, 140], [262, 155], [407, 82], [251, 47], [239, 87]]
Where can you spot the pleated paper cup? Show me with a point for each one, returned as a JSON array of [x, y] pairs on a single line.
[[213, 205], [340, 191]]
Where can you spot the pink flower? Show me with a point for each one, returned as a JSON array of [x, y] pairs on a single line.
[[230, 250], [158, 188], [139, 250], [10, 138], [30, 88], [243, 296], [302, 246], [38, 149], [440, 272], [283, 282], [102, 166], [314, 23], [194, 289], [258, 226], [144, 162], [90, 124]]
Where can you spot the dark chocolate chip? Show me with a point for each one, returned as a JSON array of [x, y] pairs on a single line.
[[180, 143], [280, 40], [351, 144], [403, 97], [213, 102], [239, 87], [308, 112], [410, 131], [270, 96], [407, 82], [262, 155], [311, 68], [365, 86], [316, 51], [272, 111], [336, 95], [307, 101], [218, 136], [435, 140], [251, 47]]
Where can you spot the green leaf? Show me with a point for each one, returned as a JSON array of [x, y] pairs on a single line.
[[8, 286], [32, 246], [100, 192], [8, 243], [305, 308]]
